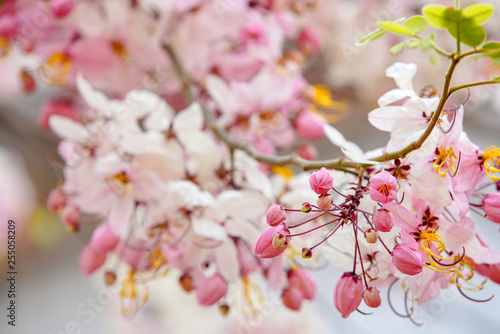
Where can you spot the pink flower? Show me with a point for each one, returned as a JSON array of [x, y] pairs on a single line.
[[491, 206], [211, 290], [371, 297], [307, 151], [275, 214], [292, 298], [321, 181], [383, 220], [61, 8], [348, 293], [56, 199], [309, 42], [103, 239], [407, 260], [56, 107], [383, 187], [492, 271], [91, 260], [309, 125], [264, 247], [302, 280]]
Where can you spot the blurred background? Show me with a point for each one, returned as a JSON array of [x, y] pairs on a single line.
[[54, 297]]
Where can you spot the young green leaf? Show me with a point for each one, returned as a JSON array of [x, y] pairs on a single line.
[[479, 12], [495, 77], [439, 16], [416, 24], [371, 36], [469, 32], [395, 28], [397, 49]]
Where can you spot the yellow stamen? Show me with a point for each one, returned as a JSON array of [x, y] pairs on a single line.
[[445, 157], [120, 183], [119, 49], [322, 99], [491, 161], [132, 295], [56, 69], [285, 172], [385, 189], [5, 47]]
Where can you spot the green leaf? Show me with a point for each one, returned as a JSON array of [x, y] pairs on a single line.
[[395, 28], [439, 16], [416, 24], [434, 57], [495, 77], [491, 46], [397, 49], [480, 12], [469, 32], [371, 36]]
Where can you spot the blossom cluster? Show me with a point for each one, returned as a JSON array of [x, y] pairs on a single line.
[[175, 117], [408, 220]]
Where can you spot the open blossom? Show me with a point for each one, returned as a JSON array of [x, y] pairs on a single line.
[[383, 187]]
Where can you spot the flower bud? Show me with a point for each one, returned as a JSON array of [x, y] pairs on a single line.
[[104, 239], [211, 290], [275, 214], [70, 215], [292, 298], [61, 8], [306, 207], [91, 260], [383, 188], [186, 282], [407, 260], [491, 206], [224, 309], [28, 83], [321, 181], [371, 297], [383, 220], [371, 236], [56, 199], [309, 125], [307, 151], [348, 293], [309, 41], [109, 278], [325, 202], [302, 280], [306, 253], [272, 235]]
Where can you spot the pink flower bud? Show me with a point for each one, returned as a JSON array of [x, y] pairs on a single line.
[[491, 206], [104, 239], [91, 260], [302, 280], [292, 298], [348, 293], [211, 290], [61, 8], [383, 187], [325, 202], [307, 151], [264, 245], [56, 199], [371, 297], [27, 81], [321, 181], [306, 253], [407, 260], [55, 107], [371, 236], [275, 215], [309, 42], [309, 125], [70, 215], [306, 207], [383, 220], [135, 254]]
